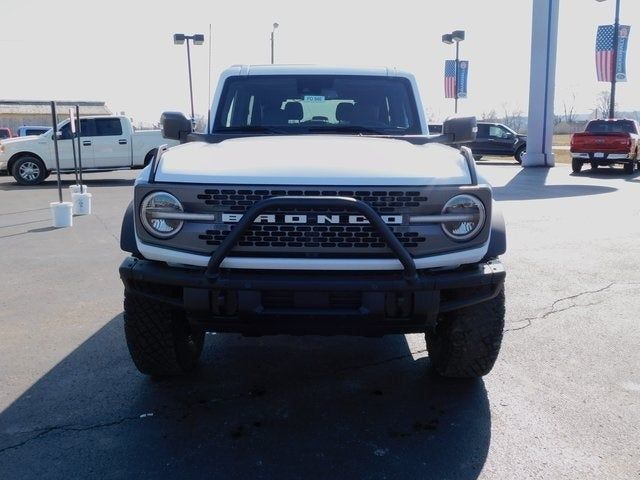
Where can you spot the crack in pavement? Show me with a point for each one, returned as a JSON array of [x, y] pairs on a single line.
[[106, 227], [552, 309], [65, 428]]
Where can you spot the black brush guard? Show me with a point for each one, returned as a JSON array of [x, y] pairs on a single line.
[[249, 301]]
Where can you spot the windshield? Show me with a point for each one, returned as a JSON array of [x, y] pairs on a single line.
[[289, 104]]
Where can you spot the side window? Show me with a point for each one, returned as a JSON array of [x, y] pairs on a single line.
[[496, 132], [88, 127], [65, 132], [107, 127], [483, 131]]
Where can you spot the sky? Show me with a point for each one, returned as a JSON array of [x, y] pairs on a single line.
[[122, 52]]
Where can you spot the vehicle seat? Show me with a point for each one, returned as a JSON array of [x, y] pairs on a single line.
[[273, 116], [344, 112], [293, 112], [365, 113]]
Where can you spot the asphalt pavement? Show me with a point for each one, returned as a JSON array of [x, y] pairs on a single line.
[[563, 400]]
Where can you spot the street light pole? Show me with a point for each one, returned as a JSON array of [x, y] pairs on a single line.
[[456, 36], [616, 40], [275, 25], [197, 39], [193, 115], [455, 108]]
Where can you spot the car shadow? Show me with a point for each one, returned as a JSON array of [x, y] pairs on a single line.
[[274, 407], [531, 184], [608, 173], [51, 183]]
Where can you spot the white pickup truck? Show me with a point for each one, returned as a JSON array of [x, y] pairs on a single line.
[[316, 204], [108, 143]]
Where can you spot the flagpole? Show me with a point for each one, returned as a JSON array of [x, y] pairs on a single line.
[[616, 40]]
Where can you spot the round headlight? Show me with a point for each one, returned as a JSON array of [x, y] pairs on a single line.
[[156, 214], [467, 217]]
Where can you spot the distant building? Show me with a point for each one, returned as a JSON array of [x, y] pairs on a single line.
[[15, 113]]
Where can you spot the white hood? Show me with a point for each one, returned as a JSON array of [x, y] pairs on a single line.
[[314, 160]]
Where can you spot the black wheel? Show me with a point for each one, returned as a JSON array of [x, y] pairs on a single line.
[[160, 340], [576, 165], [629, 167], [477, 157], [594, 166], [29, 171], [519, 156], [466, 342]]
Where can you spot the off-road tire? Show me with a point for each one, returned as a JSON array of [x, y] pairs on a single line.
[[629, 168], [29, 170], [160, 340], [465, 343], [576, 165]]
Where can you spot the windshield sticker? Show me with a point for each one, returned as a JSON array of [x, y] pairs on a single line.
[[314, 98]]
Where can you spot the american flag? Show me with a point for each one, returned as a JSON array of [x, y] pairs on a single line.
[[449, 79], [604, 53]]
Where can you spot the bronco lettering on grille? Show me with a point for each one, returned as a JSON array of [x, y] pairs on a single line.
[[282, 218]]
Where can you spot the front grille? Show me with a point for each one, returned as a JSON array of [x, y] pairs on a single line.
[[383, 201], [313, 236], [326, 232]]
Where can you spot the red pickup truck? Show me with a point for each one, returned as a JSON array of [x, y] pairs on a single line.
[[606, 143]]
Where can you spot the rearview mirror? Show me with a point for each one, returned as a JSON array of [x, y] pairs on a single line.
[[175, 126], [460, 129]]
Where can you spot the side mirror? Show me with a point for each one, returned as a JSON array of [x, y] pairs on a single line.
[[459, 130], [175, 126]]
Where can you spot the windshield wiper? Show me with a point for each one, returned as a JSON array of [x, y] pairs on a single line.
[[347, 129], [254, 129]]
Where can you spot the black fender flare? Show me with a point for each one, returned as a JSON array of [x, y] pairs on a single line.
[[128, 233], [498, 241]]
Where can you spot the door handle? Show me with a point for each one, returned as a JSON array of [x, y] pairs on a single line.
[[86, 143], [122, 141]]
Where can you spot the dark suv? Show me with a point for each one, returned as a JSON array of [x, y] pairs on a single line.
[[496, 139]]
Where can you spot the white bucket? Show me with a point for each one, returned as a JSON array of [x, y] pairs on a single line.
[[77, 189], [62, 214], [81, 203]]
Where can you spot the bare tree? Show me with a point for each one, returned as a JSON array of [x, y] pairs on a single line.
[[513, 118], [201, 123], [490, 116], [569, 110], [603, 100]]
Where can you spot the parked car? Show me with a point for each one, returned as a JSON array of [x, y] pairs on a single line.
[[606, 143], [27, 130], [317, 204], [108, 143], [496, 139], [5, 133]]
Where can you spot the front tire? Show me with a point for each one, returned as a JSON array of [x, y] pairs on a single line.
[[465, 343], [576, 165], [519, 156], [160, 340], [29, 171], [629, 167]]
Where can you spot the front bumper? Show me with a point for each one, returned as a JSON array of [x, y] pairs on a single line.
[[274, 302]]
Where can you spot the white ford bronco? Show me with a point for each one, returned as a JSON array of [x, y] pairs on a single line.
[[316, 204]]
